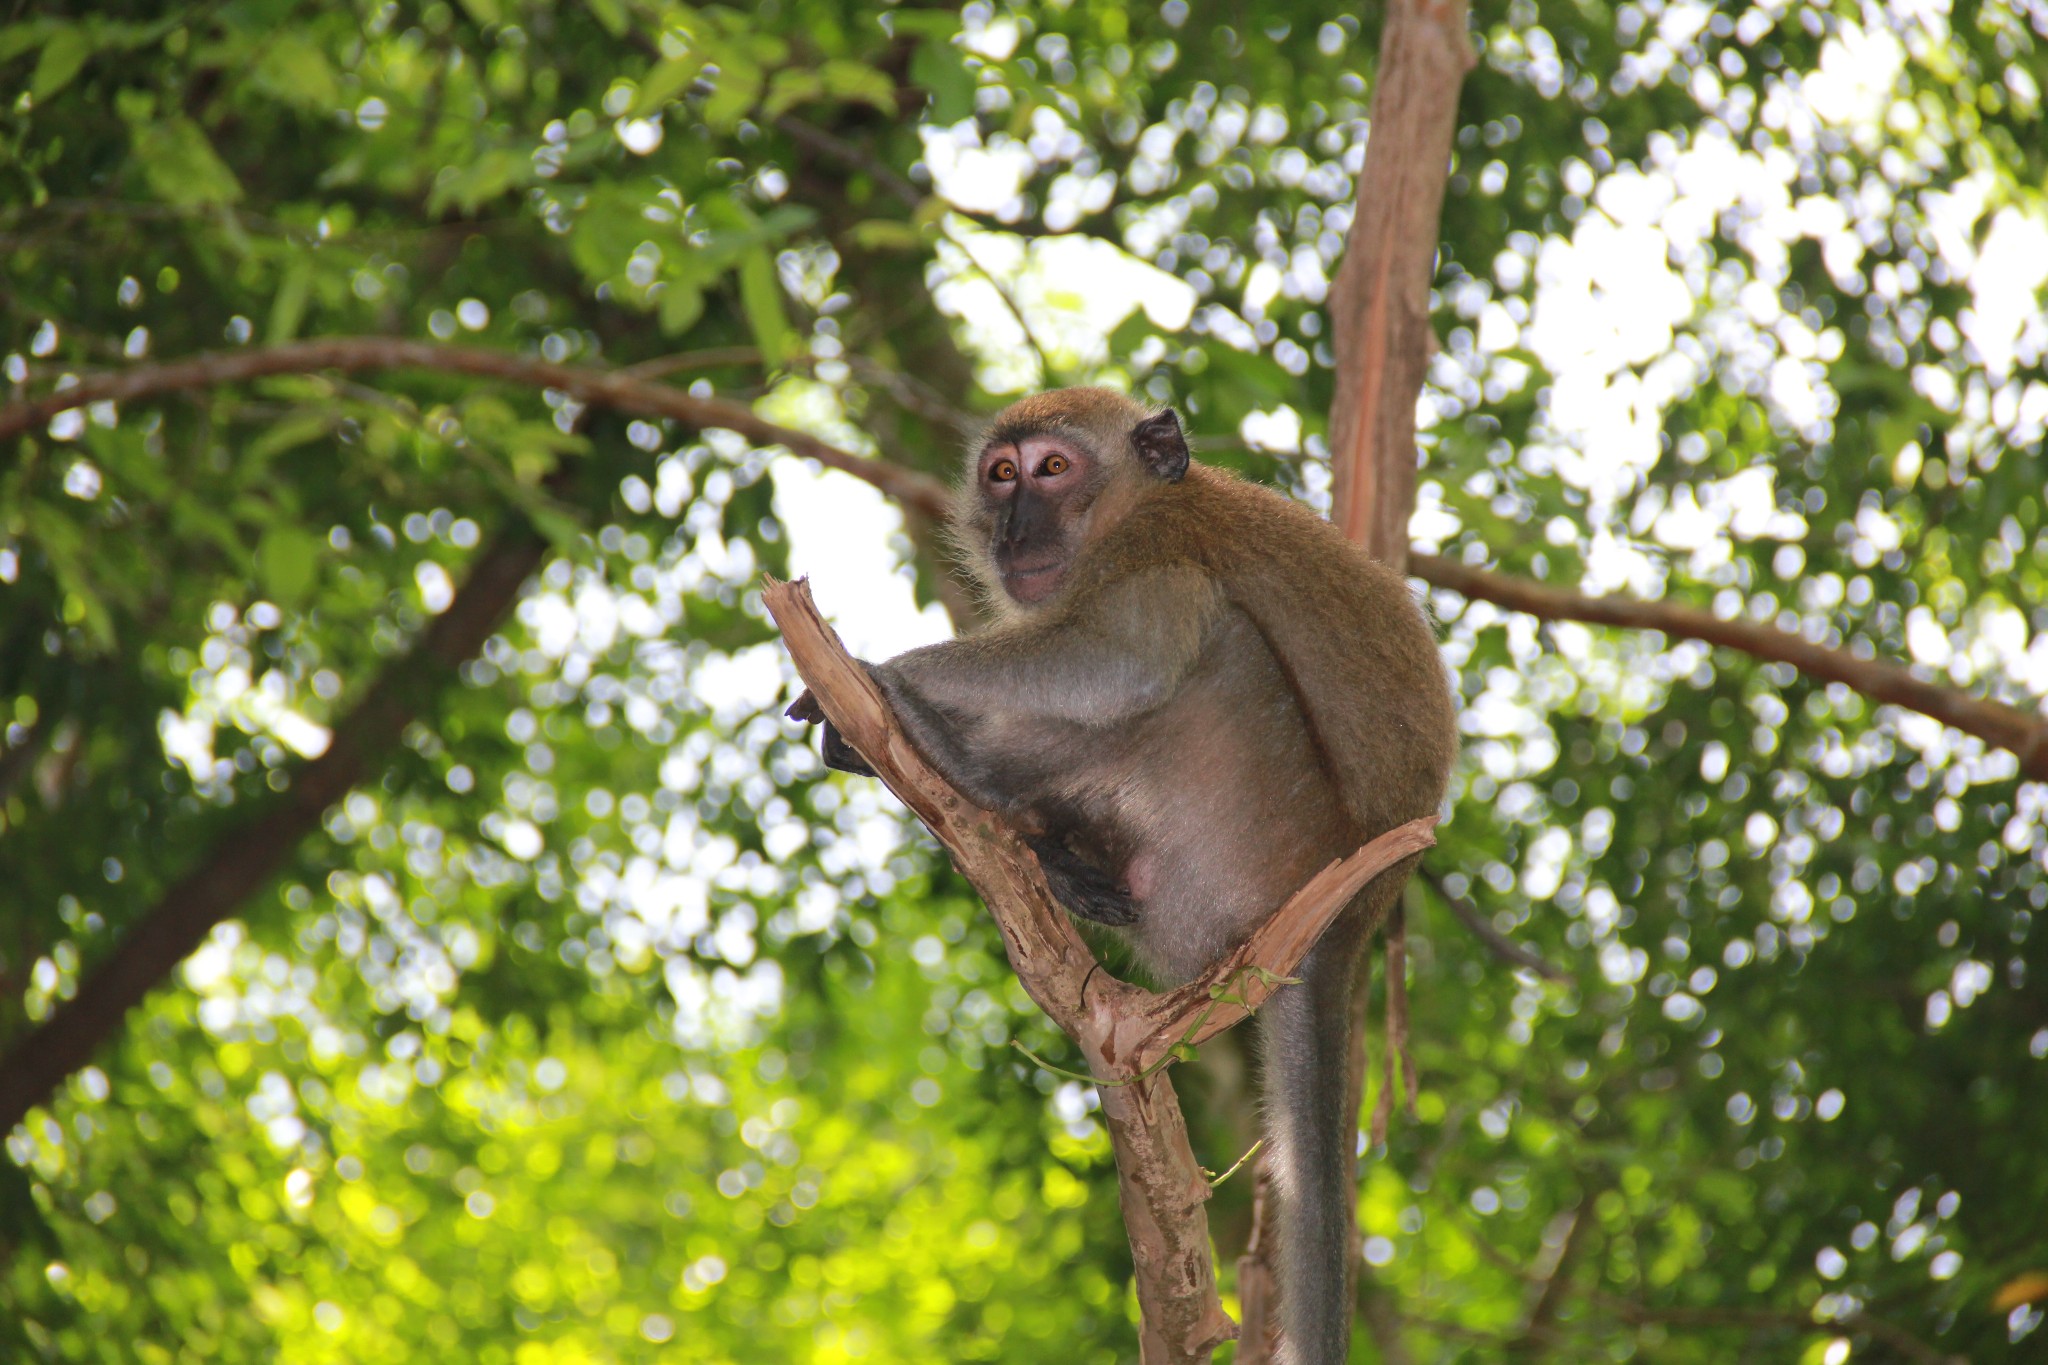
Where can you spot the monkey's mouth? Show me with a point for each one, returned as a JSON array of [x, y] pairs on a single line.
[[1033, 582]]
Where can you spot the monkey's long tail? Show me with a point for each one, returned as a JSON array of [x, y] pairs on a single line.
[[1305, 1042]]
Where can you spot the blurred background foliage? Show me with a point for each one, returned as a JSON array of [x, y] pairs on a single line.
[[601, 1025]]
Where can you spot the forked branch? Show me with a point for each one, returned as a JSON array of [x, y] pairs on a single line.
[[1246, 978]]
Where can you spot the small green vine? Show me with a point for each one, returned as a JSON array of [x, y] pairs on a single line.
[[1236, 1166]]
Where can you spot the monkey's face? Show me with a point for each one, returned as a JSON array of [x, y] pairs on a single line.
[[1035, 494]]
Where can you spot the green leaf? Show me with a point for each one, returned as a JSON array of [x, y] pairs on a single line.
[[181, 167], [888, 234], [789, 89], [287, 434], [859, 82], [664, 81], [739, 89], [294, 70], [1131, 333], [611, 14], [490, 175], [937, 68], [71, 554], [16, 39], [681, 305], [64, 56], [288, 563], [761, 300], [288, 308], [934, 24]]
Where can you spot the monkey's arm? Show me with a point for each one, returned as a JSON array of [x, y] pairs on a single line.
[[986, 710], [1114, 655], [992, 711]]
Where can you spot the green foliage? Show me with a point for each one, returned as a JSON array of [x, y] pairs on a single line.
[[598, 1024]]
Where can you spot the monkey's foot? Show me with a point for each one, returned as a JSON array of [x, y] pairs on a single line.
[[1083, 889], [841, 755]]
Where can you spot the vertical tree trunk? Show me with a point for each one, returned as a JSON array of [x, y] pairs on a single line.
[[1379, 310], [1380, 304]]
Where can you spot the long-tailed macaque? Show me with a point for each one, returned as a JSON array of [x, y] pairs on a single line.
[[1194, 696]]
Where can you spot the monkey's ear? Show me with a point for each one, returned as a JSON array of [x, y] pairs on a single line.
[[1161, 447]]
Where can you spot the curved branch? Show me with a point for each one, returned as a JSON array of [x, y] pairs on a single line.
[[2006, 726], [244, 862], [615, 389]]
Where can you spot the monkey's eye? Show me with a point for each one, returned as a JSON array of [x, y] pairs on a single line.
[[1002, 471], [1056, 465]]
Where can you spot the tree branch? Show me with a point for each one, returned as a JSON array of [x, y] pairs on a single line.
[[246, 861], [1258, 1290], [1860, 1323], [850, 156], [1563, 1240], [1379, 314], [1997, 723], [2006, 726], [1379, 304], [1496, 942], [613, 389], [1162, 1188]]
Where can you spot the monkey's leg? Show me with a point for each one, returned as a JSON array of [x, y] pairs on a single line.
[[1085, 890]]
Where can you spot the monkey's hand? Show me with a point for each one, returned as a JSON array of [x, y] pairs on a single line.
[[1085, 890], [838, 754]]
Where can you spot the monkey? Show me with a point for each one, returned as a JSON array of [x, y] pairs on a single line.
[[1194, 695]]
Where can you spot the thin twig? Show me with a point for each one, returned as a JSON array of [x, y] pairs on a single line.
[[1563, 1240], [1499, 944], [849, 155], [1397, 1058], [710, 358], [1863, 1323], [913, 395], [1009, 299], [594, 387], [1258, 1295]]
